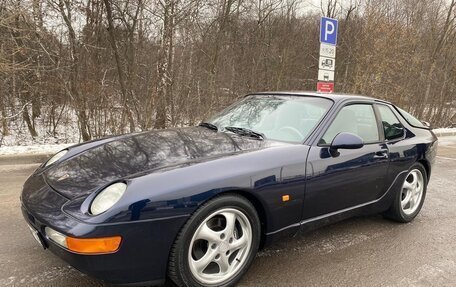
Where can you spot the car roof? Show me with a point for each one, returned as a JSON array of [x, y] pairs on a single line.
[[333, 96]]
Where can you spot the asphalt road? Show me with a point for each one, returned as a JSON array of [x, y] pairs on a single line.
[[368, 251]]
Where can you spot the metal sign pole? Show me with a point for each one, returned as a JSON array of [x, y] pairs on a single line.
[[327, 59]]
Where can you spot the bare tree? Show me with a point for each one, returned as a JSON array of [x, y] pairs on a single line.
[[65, 8], [111, 66]]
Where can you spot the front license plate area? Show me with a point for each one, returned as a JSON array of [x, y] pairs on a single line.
[[37, 236]]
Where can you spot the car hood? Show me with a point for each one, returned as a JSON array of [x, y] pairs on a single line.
[[142, 153]]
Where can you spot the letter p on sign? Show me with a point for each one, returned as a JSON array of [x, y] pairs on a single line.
[[328, 31]]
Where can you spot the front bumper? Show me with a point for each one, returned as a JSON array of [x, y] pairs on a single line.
[[143, 254]]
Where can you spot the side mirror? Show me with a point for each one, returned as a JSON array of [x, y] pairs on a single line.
[[345, 141]]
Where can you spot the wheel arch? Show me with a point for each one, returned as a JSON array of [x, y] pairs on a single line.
[[427, 167], [259, 207], [172, 263]]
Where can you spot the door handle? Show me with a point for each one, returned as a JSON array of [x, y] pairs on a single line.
[[381, 154]]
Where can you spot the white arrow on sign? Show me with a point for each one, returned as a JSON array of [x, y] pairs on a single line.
[[325, 76], [327, 63], [327, 50]]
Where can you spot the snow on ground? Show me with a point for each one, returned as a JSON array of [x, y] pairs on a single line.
[[67, 131], [20, 142], [444, 130]]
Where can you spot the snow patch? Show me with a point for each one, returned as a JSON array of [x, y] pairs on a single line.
[[66, 132], [444, 130]]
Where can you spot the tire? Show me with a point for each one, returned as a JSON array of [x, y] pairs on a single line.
[[230, 244], [399, 210]]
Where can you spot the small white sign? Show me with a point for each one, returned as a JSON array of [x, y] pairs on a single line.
[[327, 63], [327, 50], [325, 76]]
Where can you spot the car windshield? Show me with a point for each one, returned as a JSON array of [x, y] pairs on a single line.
[[283, 118]]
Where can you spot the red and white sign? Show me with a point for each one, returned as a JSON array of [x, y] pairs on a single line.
[[325, 87]]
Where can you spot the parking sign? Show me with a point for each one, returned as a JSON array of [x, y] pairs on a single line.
[[328, 31]]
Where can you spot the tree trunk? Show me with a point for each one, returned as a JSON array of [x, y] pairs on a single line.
[[120, 72], [28, 121], [438, 48], [5, 129], [164, 65], [65, 12]]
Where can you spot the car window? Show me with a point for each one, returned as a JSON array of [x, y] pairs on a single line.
[[411, 119], [392, 128], [284, 118], [358, 119]]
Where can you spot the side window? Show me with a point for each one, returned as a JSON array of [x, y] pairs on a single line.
[[358, 119], [391, 126], [411, 119]]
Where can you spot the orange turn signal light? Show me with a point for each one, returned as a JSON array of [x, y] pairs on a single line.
[[94, 245], [285, 197]]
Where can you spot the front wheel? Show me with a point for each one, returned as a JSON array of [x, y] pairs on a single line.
[[410, 198], [217, 245]]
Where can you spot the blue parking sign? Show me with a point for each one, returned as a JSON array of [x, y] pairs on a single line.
[[328, 31]]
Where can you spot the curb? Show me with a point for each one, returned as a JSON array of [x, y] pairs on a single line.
[[23, 159], [445, 134]]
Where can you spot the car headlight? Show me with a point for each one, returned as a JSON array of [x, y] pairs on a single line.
[[107, 198], [56, 157]]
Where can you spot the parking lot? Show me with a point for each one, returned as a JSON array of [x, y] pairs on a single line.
[[368, 251]]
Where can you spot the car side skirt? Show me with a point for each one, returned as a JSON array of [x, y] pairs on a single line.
[[378, 205]]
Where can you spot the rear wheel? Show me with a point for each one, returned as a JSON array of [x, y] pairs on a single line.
[[410, 198], [217, 245]]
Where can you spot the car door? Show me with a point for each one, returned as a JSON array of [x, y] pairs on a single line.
[[352, 177]]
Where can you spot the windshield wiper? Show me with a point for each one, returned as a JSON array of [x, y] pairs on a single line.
[[245, 132], [209, 126]]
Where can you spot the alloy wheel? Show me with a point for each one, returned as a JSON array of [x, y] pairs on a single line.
[[220, 246], [412, 192]]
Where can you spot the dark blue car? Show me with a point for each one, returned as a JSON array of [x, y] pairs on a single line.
[[195, 204]]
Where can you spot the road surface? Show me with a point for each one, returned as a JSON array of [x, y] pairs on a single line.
[[369, 251]]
